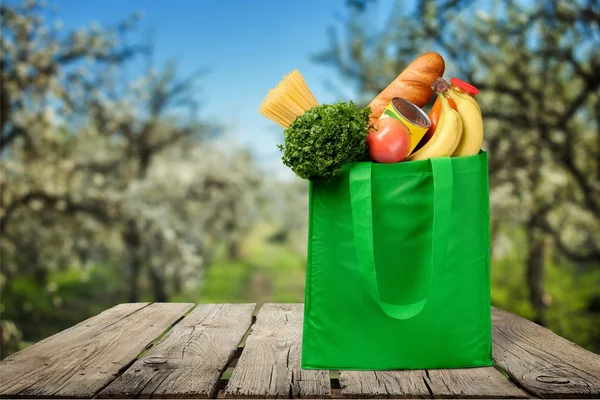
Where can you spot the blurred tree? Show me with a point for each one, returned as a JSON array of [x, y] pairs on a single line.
[[97, 171], [287, 212], [536, 65]]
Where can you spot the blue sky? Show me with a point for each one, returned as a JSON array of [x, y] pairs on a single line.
[[247, 46]]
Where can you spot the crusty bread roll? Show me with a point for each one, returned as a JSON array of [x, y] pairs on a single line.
[[413, 84]]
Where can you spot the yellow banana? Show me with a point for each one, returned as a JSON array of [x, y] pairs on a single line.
[[444, 139], [472, 132], [459, 130]]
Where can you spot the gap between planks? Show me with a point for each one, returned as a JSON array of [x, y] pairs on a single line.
[[231, 364], [269, 366]]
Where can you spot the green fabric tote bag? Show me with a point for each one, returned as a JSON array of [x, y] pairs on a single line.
[[398, 267]]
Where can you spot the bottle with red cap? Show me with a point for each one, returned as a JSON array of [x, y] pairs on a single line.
[[463, 87], [457, 85]]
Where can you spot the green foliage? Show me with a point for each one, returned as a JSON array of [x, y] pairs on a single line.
[[570, 314], [569, 294], [43, 305], [267, 272], [324, 138]]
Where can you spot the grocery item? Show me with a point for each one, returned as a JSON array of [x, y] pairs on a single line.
[[472, 135], [390, 142], [413, 84], [324, 138], [444, 142], [320, 139], [410, 115], [434, 116], [288, 100], [460, 128]]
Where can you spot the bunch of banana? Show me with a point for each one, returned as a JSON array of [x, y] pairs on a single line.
[[447, 136], [472, 132]]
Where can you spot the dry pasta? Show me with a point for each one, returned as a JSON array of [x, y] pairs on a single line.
[[288, 100]]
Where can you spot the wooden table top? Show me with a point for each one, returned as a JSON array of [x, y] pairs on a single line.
[[221, 350]]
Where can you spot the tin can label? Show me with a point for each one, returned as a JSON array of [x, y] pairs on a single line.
[[411, 116]]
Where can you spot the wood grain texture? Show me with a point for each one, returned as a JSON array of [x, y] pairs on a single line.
[[540, 361], [383, 384], [81, 360], [484, 382], [270, 363], [190, 359], [449, 383]]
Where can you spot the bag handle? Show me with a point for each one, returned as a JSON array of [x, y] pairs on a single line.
[[362, 218]]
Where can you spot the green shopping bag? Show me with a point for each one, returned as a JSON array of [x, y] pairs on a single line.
[[398, 267]]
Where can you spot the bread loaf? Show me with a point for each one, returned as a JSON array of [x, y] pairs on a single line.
[[413, 84]]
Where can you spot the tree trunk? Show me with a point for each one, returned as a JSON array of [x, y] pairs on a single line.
[[177, 281], [157, 281], [132, 243], [535, 273], [234, 251], [494, 233]]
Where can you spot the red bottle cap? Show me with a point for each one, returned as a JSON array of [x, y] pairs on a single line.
[[467, 87]]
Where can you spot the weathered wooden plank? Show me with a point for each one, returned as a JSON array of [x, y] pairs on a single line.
[[542, 362], [80, 361], [545, 364], [484, 382], [270, 363], [382, 384], [190, 359], [20, 369], [461, 383]]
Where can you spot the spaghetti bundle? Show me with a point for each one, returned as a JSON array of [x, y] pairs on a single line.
[[288, 100]]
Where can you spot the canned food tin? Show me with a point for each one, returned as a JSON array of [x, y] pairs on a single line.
[[415, 119]]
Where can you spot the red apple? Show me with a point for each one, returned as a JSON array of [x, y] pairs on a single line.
[[390, 142]]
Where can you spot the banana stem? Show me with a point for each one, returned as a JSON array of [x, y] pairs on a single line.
[[440, 85]]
